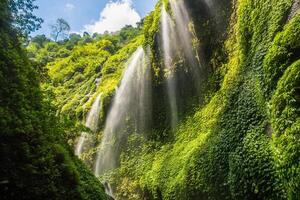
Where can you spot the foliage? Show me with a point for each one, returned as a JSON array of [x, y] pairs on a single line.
[[36, 162], [23, 18], [284, 114]]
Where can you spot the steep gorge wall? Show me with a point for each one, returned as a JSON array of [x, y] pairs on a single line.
[[243, 143]]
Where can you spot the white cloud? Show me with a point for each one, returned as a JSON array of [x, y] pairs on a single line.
[[69, 7], [114, 16]]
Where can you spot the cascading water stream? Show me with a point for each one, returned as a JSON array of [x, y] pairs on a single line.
[[183, 21], [177, 42], [129, 112], [108, 190], [92, 121], [168, 36]]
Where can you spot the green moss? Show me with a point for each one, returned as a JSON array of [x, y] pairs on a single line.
[[253, 172], [284, 114], [283, 52]]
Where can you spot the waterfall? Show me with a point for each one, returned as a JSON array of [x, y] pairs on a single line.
[[168, 51], [92, 123], [108, 190], [177, 43], [185, 38], [130, 111]]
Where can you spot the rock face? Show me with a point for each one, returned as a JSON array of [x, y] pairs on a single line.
[[295, 9]]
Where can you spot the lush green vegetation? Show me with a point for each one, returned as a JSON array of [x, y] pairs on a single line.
[[36, 162], [238, 139], [243, 143]]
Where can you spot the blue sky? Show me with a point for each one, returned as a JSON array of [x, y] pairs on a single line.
[[92, 15]]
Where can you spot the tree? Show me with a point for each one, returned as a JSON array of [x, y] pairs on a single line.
[[23, 18], [74, 38], [40, 40], [86, 38], [86, 34], [60, 29], [140, 24]]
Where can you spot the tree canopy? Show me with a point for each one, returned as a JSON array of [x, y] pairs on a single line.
[[23, 18], [60, 29]]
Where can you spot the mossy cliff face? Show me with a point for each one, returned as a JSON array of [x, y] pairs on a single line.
[[242, 142]]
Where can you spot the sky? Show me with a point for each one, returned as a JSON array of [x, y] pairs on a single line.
[[92, 15]]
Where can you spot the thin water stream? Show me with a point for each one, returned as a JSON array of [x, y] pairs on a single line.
[[176, 28], [92, 121]]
